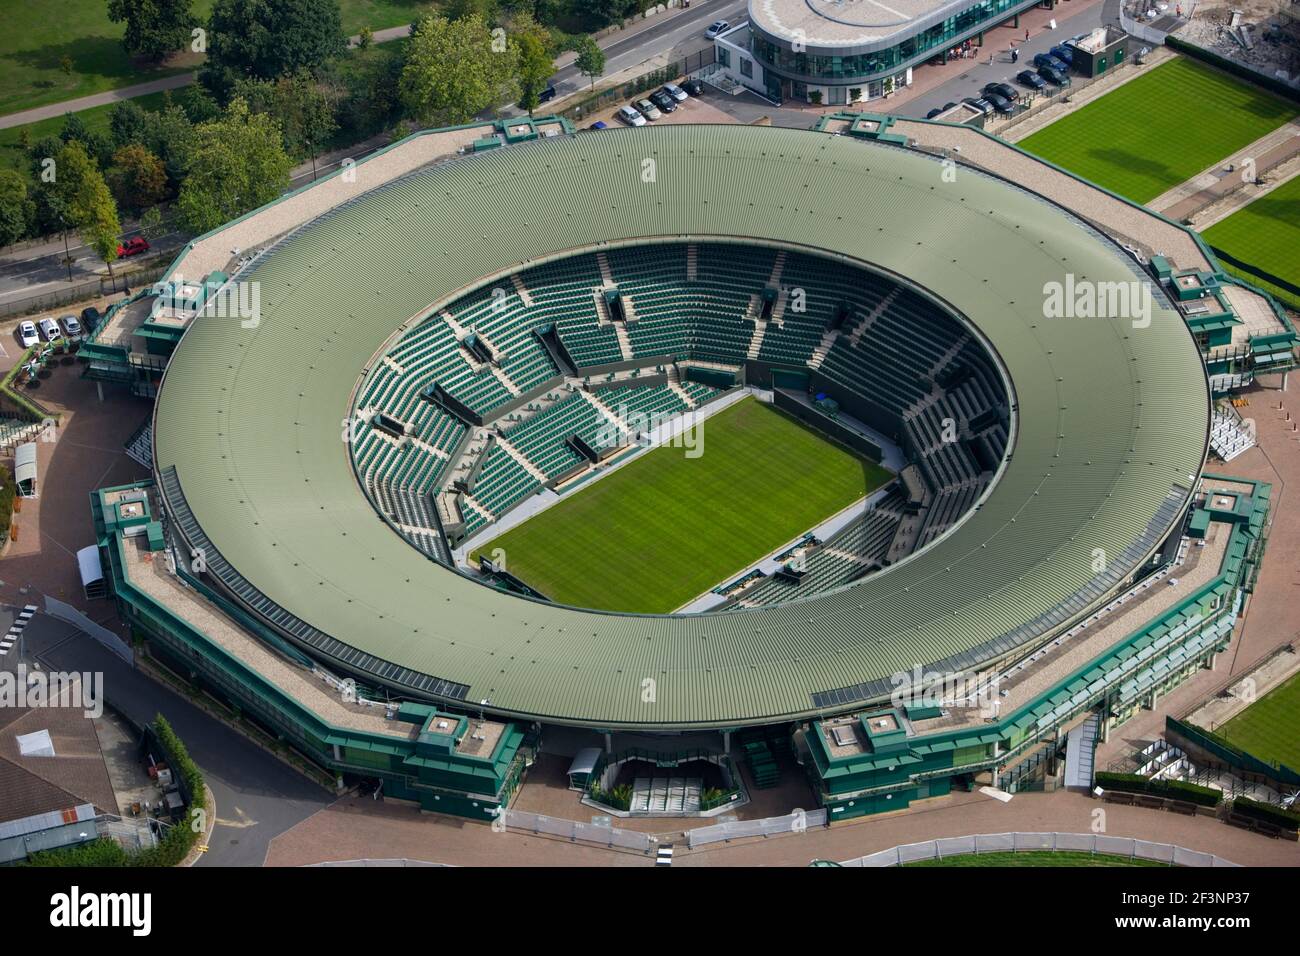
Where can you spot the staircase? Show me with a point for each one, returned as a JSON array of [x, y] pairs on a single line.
[[675, 386], [1080, 751], [521, 459], [139, 447], [861, 328], [15, 431], [505, 380], [670, 795], [605, 411], [624, 340], [756, 343], [692, 263], [606, 276], [524, 295], [777, 268], [1228, 437], [823, 349]]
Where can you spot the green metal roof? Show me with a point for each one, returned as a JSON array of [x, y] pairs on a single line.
[[1111, 423]]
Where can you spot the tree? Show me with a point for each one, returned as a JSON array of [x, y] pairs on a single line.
[[234, 164], [536, 63], [152, 226], [128, 122], [16, 209], [138, 178], [265, 39], [591, 58], [302, 107], [87, 203], [154, 28], [167, 135], [486, 10], [455, 70]]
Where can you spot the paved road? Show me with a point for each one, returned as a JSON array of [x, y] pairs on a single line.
[[257, 796]]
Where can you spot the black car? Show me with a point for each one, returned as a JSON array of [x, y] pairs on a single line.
[[949, 105], [1064, 54], [664, 101], [547, 94], [1000, 103], [983, 105], [1046, 59], [693, 87], [1052, 75], [1004, 90], [90, 319], [1031, 79], [934, 112]]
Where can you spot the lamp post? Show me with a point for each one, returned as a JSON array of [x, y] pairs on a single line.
[[67, 253]]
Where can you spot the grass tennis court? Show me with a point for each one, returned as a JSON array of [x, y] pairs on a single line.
[[665, 528], [1038, 858], [1266, 233], [1269, 728], [1160, 129]]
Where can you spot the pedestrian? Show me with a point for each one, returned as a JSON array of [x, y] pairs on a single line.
[[1026, 34], [1015, 56]]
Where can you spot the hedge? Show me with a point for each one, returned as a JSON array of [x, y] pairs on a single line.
[[1279, 817], [1169, 789], [7, 492]]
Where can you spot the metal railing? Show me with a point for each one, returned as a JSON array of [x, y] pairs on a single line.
[[795, 822], [574, 831], [1094, 843]]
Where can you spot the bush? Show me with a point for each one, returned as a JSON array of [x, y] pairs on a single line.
[[1266, 812], [1169, 789], [96, 853], [7, 492]]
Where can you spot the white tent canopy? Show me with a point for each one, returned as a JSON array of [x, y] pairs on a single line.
[[25, 469], [92, 571]]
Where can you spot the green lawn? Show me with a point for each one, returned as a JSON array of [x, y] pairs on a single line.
[[38, 35], [1160, 129], [1265, 233], [1269, 728], [1037, 858], [665, 528]]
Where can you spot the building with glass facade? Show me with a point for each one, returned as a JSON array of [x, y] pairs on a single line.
[[845, 51]]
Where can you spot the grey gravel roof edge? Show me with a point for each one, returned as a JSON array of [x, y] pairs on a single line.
[[250, 420]]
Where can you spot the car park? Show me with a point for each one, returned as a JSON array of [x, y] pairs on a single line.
[[1031, 79], [50, 329], [665, 102], [71, 328], [630, 116], [132, 247], [676, 92], [647, 109], [1004, 90], [716, 29], [28, 335]]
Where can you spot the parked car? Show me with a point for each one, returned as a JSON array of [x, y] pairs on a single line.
[[1004, 90], [90, 318], [647, 109], [981, 104], [676, 92], [71, 328], [663, 101], [693, 87], [1046, 59], [50, 329], [1000, 103], [1063, 53], [716, 28], [132, 247], [630, 116], [1031, 79], [599, 124], [28, 335], [949, 105], [547, 94], [1052, 75], [934, 112]]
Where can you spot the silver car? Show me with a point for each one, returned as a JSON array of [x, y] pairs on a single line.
[[648, 109]]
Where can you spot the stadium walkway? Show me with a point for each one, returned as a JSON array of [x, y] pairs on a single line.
[[1268, 152]]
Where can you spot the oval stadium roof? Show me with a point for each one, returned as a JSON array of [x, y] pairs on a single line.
[[1111, 427]]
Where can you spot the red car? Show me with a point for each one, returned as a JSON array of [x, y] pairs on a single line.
[[133, 247]]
